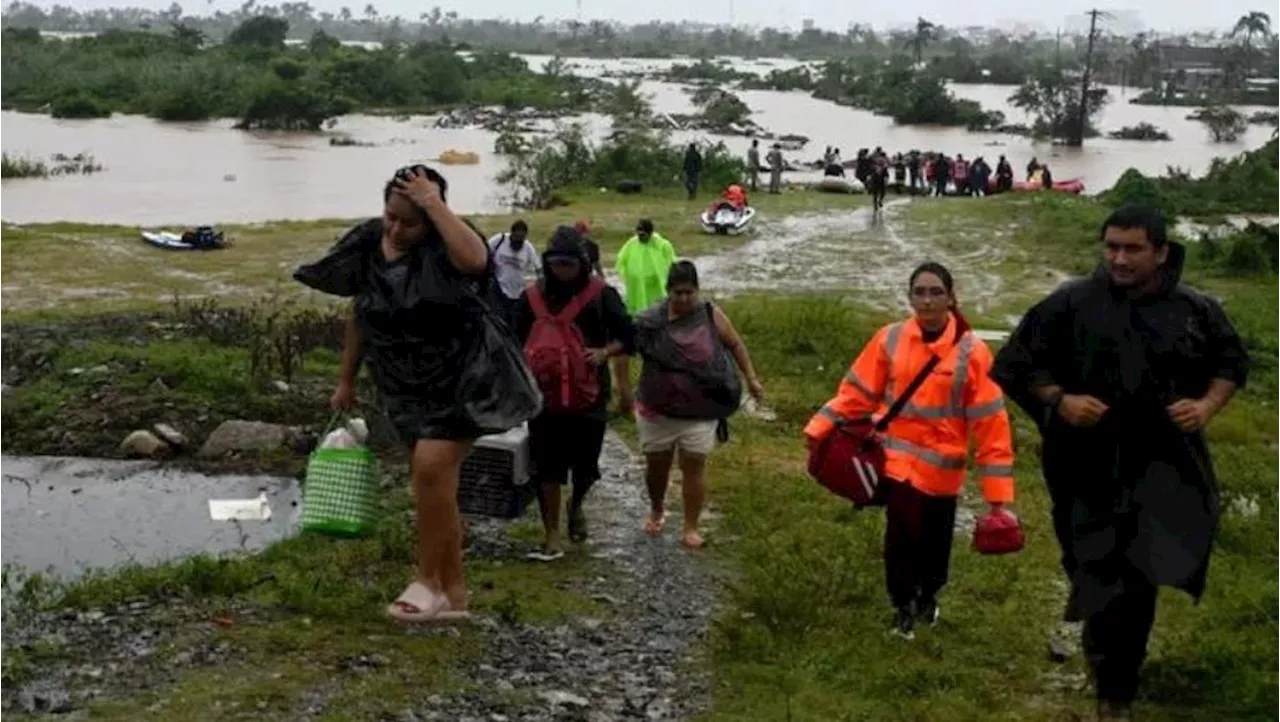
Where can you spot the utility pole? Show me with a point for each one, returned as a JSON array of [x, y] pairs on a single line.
[[1082, 113]]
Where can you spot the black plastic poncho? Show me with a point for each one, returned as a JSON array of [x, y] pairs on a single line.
[[444, 367], [1134, 488]]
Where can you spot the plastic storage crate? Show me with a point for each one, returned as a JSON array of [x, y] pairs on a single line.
[[495, 476]]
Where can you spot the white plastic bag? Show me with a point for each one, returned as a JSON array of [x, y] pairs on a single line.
[[351, 436]]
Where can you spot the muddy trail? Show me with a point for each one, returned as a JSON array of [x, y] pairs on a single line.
[[862, 253]]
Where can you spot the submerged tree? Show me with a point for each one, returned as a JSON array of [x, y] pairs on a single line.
[[1052, 96], [1224, 123]]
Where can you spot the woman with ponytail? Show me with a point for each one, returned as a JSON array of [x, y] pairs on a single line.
[[926, 445]]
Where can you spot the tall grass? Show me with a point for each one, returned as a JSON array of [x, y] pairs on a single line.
[[803, 632], [15, 166]]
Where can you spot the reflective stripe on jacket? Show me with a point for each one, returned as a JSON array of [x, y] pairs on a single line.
[[927, 444]]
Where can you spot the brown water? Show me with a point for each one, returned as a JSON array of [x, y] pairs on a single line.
[[208, 172]]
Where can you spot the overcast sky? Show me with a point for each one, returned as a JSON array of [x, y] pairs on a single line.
[[1159, 15]]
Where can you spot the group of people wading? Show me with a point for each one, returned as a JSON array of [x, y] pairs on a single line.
[[1121, 372]]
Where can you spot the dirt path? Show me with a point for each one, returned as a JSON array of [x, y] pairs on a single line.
[[629, 666]]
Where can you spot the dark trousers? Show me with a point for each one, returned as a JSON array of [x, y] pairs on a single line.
[[691, 184], [917, 543], [1120, 607], [1062, 500]]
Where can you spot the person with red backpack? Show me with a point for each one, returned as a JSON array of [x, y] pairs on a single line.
[[570, 322]]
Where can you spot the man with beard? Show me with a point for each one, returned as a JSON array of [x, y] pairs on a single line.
[[1122, 371]]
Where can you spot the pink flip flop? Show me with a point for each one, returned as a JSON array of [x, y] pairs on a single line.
[[419, 604]]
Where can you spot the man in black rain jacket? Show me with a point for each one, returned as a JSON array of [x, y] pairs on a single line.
[[1121, 372]]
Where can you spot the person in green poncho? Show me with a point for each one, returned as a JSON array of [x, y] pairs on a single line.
[[643, 264]]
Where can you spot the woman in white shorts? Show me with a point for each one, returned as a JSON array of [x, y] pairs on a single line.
[[688, 386]]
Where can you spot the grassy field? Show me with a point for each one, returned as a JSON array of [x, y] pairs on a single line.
[[55, 269], [801, 634]]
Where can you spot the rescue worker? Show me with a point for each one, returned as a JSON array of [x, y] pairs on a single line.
[[753, 164], [642, 264], [926, 444], [775, 168], [1122, 371], [735, 196]]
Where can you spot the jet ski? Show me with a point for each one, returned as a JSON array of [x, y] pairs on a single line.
[[724, 219], [203, 238]]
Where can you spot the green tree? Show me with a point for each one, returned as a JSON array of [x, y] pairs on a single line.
[[1224, 123], [1255, 23], [1052, 96], [261, 32]]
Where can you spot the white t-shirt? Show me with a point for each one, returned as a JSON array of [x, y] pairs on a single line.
[[514, 269]]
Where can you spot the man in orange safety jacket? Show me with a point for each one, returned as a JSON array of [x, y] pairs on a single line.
[[926, 446]]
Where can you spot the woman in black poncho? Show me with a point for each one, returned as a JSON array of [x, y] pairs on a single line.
[[416, 274]]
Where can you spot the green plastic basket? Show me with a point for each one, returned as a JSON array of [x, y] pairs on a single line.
[[340, 496]]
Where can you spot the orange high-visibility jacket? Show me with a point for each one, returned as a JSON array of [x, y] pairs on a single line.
[[927, 444]]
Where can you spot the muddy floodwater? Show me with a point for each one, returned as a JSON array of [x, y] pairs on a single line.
[[188, 173], [67, 515]]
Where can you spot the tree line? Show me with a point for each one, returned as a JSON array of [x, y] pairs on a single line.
[[254, 75], [1247, 47]]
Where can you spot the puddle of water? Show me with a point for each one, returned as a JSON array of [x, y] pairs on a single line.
[[67, 515]]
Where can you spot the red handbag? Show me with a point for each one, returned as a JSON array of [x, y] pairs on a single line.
[[998, 532], [849, 462]]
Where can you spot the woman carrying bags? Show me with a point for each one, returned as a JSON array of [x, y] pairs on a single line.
[[926, 444]]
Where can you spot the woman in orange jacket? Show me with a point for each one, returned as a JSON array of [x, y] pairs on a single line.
[[926, 446]]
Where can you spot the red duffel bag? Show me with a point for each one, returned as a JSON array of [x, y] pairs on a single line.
[[998, 533], [849, 462]]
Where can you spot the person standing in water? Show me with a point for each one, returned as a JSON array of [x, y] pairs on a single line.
[[643, 263], [692, 170], [753, 164], [1122, 372], [775, 169], [926, 446]]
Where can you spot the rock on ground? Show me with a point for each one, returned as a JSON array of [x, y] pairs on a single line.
[[240, 436]]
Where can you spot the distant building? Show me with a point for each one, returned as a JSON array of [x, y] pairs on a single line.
[[1190, 67], [807, 25]]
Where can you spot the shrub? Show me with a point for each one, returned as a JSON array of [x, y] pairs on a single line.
[[79, 105], [538, 168]]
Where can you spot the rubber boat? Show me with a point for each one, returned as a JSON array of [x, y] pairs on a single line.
[[1074, 186], [725, 220], [201, 239], [836, 184]]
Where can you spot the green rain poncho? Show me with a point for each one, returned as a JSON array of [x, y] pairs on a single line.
[[643, 267]]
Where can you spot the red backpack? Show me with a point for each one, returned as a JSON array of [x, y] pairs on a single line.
[[556, 352]]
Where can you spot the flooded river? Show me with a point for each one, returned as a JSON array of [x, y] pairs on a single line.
[[208, 172]]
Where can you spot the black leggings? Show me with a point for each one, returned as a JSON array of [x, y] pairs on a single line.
[[917, 543]]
